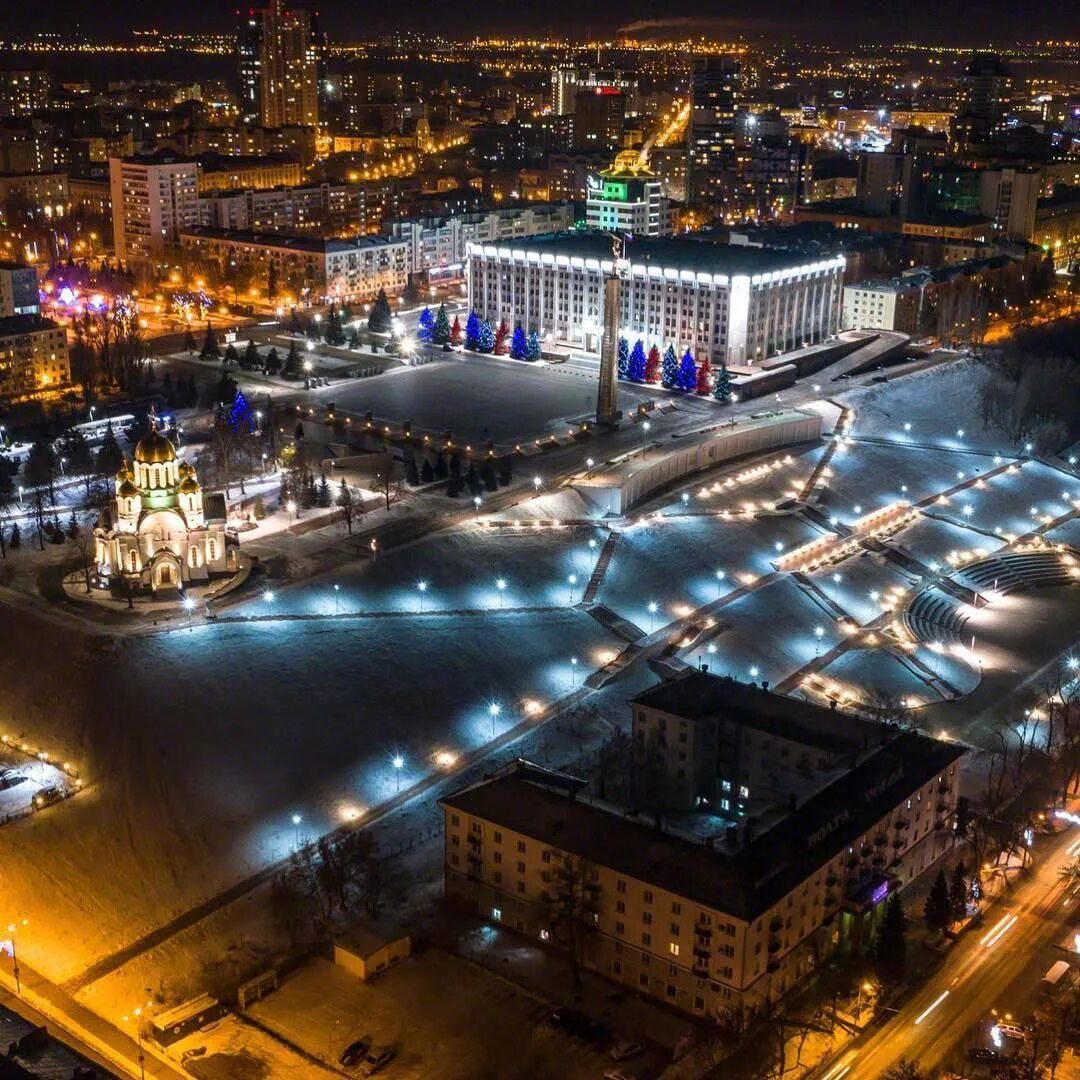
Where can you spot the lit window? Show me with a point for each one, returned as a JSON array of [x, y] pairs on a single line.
[[673, 948], [496, 913]]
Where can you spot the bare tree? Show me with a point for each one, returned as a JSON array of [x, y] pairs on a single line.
[[83, 547], [572, 906]]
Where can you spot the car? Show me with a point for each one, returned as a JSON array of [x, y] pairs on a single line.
[[1012, 1031], [354, 1053], [378, 1057], [11, 779], [619, 1074], [625, 1049], [46, 797]]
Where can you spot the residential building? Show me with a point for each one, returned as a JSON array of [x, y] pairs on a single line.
[[23, 93], [328, 209], [985, 88], [288, 66], [43, 194], [883, 305], [437, 246], [627, 197], [249, 52], [599, 116], [717, 928], [315, 267], [227, 172], [734, 305], [1009, 197], [34, 359], [568, 81], [19, 287], [154, 198], [710, 133]]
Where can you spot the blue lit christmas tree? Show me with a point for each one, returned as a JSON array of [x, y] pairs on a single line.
[[472, 331], [518, 344], [624, 358], [638, 361], [687, 379], [485, 341], [240, 419], [669, 368], [532, 349], [425, 325]]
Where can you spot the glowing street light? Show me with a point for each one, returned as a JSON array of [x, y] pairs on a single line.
[[589, 463], [754, 673], [644, 436], [337, 594], [573, 671], [268, 596], [296, 819], [493, 711], [652, 615], [422, 588], [571, 581], [291, 507], [537, 482], [399, 763], [500, 584], [476, 504], [12, 930], [137, 1015], [189, 604]]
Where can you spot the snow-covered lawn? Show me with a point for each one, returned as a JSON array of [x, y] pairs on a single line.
[[864, 582]]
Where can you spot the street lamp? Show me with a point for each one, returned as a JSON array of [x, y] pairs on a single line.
[[644, 436], [337, 593], [291, 507], [500, 584], [398, 763], [720, 575], [476, 503], [588, 461], [296, 819], [268, 596], [571, 581], [537, 482], [493, 711], [573, 671], [652, 615], [422, 587], [137, 1014], [819, 633], [12, 928]]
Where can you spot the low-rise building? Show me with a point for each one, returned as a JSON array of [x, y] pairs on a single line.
[[323, 269], [34, 359], [225, 172], [19, 287], [45, 195], [882, 305], [719, 926]]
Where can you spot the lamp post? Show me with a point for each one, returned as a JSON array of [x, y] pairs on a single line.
[[720, 575], [476, 505], [398, 764], [296, 819], [268, 596], [291, 507], [422, 588], [337, 594], [573, 671], [571, 581], [500, 584], [493, 711], [12, 929], [644, 436], [136, 1015], [819, 633]]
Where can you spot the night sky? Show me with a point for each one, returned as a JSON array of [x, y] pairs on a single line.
[[956, 21]]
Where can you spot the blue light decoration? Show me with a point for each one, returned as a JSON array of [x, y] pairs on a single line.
[[880, 892], [638, 362], [239, 419], [425, 325]]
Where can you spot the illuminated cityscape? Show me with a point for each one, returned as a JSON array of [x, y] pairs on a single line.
[[540, 544]]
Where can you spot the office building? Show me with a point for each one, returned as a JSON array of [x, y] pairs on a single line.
[[734, 305], [23, 93], [720, 926], [437, 245], [599, 116], [883, 305], [317, 268], [228, 172], [1009, 197], [627, 198], [710, 133], [154, 198], [568, 81], [34, 360], [18, 290], [278, 53]]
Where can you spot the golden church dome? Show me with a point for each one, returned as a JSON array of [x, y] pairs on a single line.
[[127, 490], [154, 449]]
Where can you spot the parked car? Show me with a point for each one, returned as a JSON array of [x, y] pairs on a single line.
[[625, 1049], [46, 797], [1012, 1031], [10, 779], [378, 1057], [354, 1053]]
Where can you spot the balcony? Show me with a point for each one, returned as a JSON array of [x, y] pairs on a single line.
[[830, 899], [831, 880], [700, 969], [474, 839], [774, 945], [702, 951], [880, 840], [772, 966], [900, 824], [775, 925], [703, 931], [942, 807]]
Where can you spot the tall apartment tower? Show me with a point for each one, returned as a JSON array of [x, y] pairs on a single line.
[[278, 57], [714, 94], [985, 86], [154, 199]]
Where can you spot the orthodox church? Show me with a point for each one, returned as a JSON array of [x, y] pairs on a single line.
[[160, 531]]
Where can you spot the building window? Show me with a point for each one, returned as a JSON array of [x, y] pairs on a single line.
[[498, 837], [676, 907], [521, 847], [496, 913], [646, 917], [544, 935], [521, 886], [620, 886], [673, 948], [521, 868], [647, 896]]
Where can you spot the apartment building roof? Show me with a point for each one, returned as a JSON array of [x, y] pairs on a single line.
[[11, 325], [315, 245], [743, 883], [697, 695]]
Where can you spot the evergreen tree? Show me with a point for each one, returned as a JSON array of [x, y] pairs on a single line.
[[442, 471], [958, 894], [354, 339], [412, 474], [487, 474], [16, 537], [669, 370], [638, 362], [323, 495], [485, 341], [518, 344], [335, 333], [652, 366], [472, 480], [425, 325], [427, 473], [109, 459], [259, 509], [472, 331], [271, 281], [210, 348], [307, 490], [380, 317], [273, 362], [190, 345], [687, 377], [704, 372], [502, 344], [440, 332], [623, 358], [231, 357], [937, 913], [532, 347], [250, 359], [457, 335], [890, 949], [722, 390], [292, 362]]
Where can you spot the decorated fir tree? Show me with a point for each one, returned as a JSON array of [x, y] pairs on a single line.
[[485, 341], [624, 358], [210, 348], [652, 366], [638, 362], [457, 335], [440, 332], [502, 339], [472, 331], [380, 317], [669, 368], [518, 344], [687, 377], [532, 347], [425, 325], [722, 389], [704, 377]]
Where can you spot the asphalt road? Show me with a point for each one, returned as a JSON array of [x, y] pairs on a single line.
[[976, 977]]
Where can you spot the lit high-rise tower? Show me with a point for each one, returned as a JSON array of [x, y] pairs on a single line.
[[278, 57], [714, 93]]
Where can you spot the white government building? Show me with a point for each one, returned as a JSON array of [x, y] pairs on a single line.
[[735, 305]]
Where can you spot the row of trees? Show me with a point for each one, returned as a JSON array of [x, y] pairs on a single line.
[[108, 352]]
